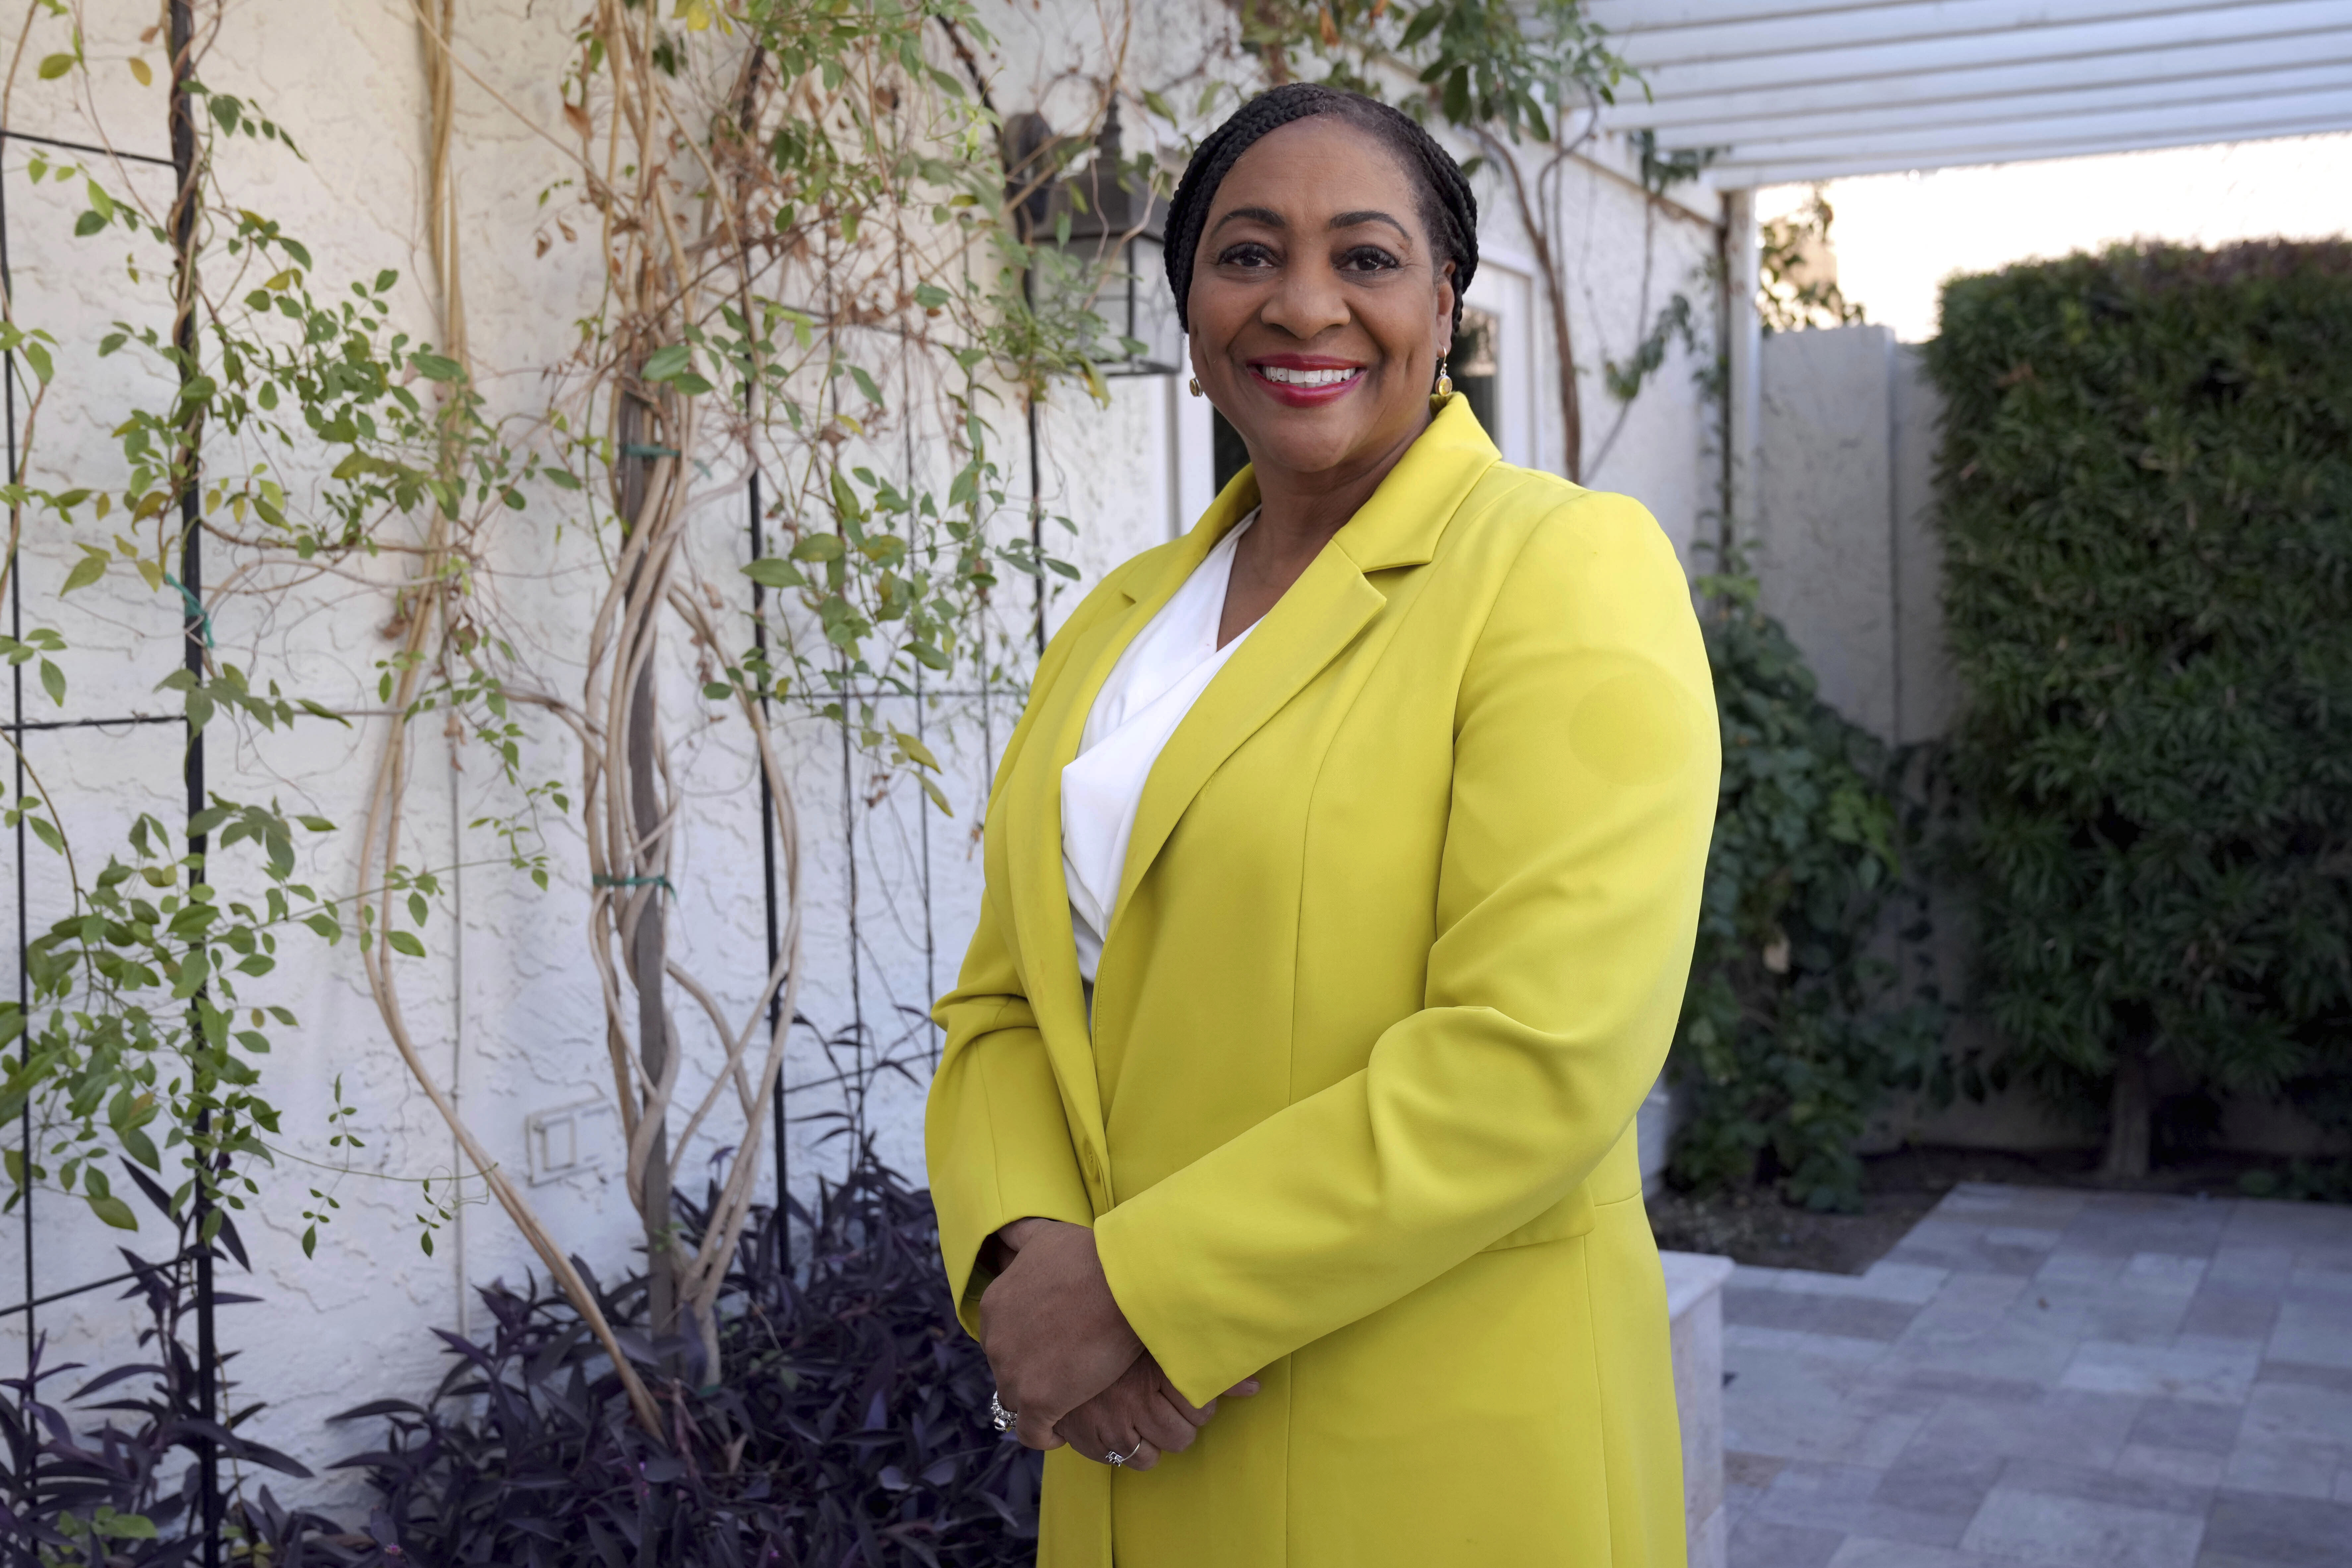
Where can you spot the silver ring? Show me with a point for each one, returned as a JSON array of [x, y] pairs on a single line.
[[1000, 1417], [1116, 1459]]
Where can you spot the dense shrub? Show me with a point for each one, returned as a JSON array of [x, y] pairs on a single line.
[[2146, 498], [851, 1432], [1791, 1033], [851, 1428]]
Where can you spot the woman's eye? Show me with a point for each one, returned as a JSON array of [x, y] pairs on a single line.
[[1367, 258], [1249, 253]]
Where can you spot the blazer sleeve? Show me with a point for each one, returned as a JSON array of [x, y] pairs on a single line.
[[994, 1135], [996, 1140], [1586, 763]]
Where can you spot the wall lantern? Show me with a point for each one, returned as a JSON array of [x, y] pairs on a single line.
[[1114, 227]]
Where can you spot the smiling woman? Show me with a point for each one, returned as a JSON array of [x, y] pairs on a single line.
[[1342, 876]]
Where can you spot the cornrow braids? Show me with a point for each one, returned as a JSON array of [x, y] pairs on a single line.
[[1449, 210]]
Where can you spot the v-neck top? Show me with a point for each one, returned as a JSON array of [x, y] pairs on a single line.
[[1154, 684]]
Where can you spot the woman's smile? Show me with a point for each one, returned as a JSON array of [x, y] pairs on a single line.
[[1305, 380]]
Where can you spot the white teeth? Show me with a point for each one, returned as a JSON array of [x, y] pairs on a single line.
[[1285, 377]]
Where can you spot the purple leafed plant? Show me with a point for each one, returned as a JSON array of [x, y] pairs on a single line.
[[129, 1492], [849, 1428]]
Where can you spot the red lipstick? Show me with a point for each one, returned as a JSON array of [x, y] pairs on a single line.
[[1306, 381]]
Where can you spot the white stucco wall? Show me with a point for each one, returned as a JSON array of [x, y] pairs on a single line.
[[506, 1005]]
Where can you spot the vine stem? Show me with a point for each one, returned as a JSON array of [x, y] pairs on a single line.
[[380, 839]]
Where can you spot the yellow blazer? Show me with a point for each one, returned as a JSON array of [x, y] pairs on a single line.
[[1400, 945]]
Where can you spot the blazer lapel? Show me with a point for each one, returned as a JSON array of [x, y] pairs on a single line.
[[1320, 615], [1033, 813], [1310, 626]]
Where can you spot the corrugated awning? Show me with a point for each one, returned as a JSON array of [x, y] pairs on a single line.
[[1782, 90]]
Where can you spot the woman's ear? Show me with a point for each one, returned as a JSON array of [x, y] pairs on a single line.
[[1445, 311]]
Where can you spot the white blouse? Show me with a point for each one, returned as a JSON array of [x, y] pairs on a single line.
[[1153, 686]]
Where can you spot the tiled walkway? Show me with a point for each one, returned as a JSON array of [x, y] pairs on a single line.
[[2051, 1378]]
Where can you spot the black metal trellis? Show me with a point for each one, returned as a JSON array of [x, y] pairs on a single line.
[[183, 164]]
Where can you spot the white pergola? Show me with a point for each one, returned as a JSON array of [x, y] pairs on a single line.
[[1778, 91], [1786, 91]]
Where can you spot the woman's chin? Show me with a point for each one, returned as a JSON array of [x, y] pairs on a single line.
[[1295, 446]]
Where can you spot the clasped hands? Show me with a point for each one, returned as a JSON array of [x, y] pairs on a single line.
[[1065, 1359]]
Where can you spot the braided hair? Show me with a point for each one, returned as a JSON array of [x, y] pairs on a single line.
[[1449, 211]]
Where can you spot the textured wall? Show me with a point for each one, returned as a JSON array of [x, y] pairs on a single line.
[[505, 1003]]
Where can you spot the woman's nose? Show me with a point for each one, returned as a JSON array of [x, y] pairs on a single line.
[[1308, 301]]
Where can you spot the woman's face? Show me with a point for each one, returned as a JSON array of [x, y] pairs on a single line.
[[1319, 309]]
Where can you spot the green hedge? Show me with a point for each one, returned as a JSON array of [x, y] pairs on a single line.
[[2146, 499], [1792, 1032]]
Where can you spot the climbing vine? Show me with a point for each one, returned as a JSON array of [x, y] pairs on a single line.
[[809, 283]]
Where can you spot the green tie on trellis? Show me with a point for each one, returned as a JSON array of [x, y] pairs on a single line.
[[195, 607]]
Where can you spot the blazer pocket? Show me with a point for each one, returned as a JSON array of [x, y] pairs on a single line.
[[1572, 1216]]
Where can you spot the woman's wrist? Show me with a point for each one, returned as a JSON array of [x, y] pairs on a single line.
[[997, 1252]]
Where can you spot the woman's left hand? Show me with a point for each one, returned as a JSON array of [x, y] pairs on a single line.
[[1140, 1418], [1053, 1333]]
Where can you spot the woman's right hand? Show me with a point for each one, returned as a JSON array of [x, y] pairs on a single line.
[[1140, 1418]]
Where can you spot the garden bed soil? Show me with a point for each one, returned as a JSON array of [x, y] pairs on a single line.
[[1754, 1226]]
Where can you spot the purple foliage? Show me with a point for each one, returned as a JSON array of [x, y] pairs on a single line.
[[849, 1429]]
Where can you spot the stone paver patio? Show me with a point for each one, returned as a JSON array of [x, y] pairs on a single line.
[[2056, 1379]]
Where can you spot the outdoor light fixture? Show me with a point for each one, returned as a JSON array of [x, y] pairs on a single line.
[[1112, 229]]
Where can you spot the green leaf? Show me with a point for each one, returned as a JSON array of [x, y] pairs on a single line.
[[55, 66], [667, 365], [53, 681], [405, 941], [561, 478], [113, 1211], [915, 750], [88, 570], [818, 547], [140, 1147], [772, 572], [845, 497], [436, 367], [124, 1526]]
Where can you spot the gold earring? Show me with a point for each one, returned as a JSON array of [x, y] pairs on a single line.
[[1445, 382], [1196, 386]]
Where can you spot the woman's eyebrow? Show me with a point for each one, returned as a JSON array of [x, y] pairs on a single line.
[[1350, 220], [1266, 216]]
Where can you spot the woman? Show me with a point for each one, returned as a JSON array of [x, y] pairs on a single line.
[[1343, 876]]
